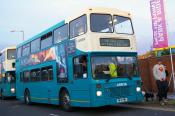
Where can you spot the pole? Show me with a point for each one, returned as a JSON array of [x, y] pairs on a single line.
[[172, 68], [22, 35], [171, 57]]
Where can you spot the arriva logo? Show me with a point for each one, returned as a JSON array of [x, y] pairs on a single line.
[[121, 84]]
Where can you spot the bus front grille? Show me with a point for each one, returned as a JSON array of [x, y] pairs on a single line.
[[120, 91]]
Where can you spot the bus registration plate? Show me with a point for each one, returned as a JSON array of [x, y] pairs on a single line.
[[122, 100]]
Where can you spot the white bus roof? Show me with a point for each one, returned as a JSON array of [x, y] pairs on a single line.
[[9, 47], [101, 10]]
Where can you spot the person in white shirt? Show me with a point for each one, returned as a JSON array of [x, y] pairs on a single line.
[[160, 77]]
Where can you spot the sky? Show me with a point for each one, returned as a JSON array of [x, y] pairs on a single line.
[[34, 16]]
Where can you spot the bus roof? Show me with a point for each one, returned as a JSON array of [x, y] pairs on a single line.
[[10, 47], [102, 10], [88, 10], [42, 33]]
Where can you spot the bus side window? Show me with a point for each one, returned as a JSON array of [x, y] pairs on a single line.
[[78, 26], [38, 75], [35, 75], [11, 77], [44, 74], [80, 67], [50, 72], [47, 73], [61, 74], [26, 76]]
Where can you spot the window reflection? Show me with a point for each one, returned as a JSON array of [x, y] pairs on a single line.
[[61, 34], [122, 25], [78, 26], [101, 23], [105, 67]]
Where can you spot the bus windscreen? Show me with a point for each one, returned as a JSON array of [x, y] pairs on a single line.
[[104, 67], [11, 54]]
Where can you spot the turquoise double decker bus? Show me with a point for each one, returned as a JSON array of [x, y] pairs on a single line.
[[7, 72], [89, 60]]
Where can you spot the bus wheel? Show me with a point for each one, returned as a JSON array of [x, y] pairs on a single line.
[[65, 101], [27, 99]]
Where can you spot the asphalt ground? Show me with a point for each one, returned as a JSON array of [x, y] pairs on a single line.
[[12, 107]]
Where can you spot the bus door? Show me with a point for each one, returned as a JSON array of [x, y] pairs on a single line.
[[47, 82], [80, 87], [5, 84], [3, 81], [11, 78]]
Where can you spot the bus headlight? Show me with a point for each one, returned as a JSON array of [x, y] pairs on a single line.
[[138, 89], [12, 90], [99, 93]]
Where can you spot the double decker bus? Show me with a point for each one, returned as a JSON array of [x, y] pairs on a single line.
[[7, 72], [87, 61]]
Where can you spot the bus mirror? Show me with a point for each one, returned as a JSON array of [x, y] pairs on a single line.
[[13, 65]]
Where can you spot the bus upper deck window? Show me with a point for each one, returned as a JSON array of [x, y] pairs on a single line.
[[61, 33], [101, 23], [123, 25], [46, 40], [78, 26]]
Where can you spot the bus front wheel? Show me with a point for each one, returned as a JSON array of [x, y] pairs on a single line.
[[65, 101], [27, 98]]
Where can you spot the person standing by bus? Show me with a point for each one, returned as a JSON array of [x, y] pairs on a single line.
[[160, 77]]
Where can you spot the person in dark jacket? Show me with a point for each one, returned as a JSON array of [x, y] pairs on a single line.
[[166, 83]]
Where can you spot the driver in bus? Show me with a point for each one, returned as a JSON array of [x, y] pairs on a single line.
[[113, 69]]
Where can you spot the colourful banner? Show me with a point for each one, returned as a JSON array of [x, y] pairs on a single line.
[[158, 24]]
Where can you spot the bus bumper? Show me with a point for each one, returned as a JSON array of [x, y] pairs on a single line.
[[8, 93], [114, 101]]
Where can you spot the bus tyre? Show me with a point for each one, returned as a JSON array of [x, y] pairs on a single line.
[[27, 98], [65, 101]]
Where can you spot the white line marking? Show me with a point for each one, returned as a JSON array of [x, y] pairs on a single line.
[[16, 106], [53, 115]]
